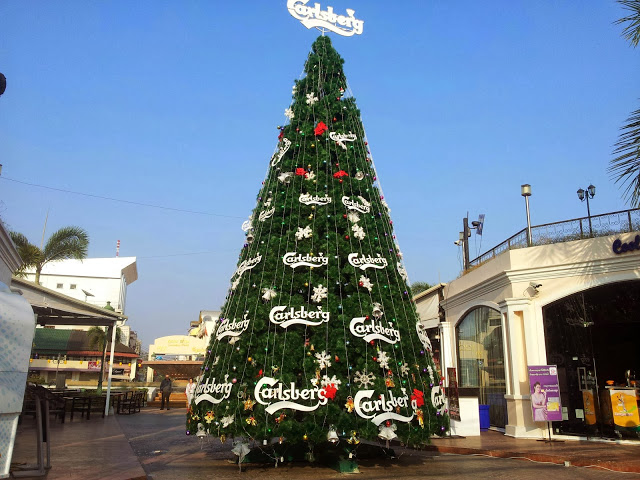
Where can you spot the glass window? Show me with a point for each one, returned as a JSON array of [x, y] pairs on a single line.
[[72, 286], [58, 285], [481, 359]]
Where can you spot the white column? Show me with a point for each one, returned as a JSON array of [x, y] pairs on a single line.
[[113, 346]]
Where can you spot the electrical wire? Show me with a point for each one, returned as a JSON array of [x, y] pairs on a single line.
[[130, 202]]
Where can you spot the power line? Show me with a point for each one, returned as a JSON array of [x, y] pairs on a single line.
[[140, 204]]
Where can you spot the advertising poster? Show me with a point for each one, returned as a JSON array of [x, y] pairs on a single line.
[[589, 407], [624, 407], [452, 394], [545, 393], [93, 366]]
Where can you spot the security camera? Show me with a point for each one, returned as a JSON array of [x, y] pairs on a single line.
[[457, 242], [535, 285]]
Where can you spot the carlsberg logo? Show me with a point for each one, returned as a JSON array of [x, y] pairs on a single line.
[[373, 330], [294, 260], [310, 17], [383, 408], [279, 316], [233, 328], [367, 261], [274, 393], [213, 392]]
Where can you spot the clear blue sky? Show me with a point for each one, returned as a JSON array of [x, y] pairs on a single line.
[[177, 103]]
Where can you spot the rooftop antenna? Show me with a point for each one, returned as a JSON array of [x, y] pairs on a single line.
[[44, 229], [118, 248]]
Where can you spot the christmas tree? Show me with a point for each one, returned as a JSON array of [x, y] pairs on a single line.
[[318, 337]]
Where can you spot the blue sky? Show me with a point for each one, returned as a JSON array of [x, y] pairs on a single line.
[[176, 104]]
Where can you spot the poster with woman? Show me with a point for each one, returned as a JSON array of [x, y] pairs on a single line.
[[545, 393]]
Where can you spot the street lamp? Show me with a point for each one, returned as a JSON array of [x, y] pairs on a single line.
[[525, 191], [590, 192]]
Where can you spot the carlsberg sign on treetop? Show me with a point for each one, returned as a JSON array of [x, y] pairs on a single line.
[[313, 16], [318, 327]]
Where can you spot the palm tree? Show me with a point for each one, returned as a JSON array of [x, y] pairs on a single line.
[[626, 165], [68, 242], [98, 339]]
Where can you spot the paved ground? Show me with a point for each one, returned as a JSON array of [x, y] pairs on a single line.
[[152, 445]]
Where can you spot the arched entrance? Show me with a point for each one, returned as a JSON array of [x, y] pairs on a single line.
[[593, 336], [481, 361]]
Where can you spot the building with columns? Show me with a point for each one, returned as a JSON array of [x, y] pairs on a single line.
[[573, 304]]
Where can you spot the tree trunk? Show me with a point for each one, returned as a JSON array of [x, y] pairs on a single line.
[[104, 357], [38, 270]]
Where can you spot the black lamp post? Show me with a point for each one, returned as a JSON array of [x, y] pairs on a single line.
[[525, 191], [590, 192]]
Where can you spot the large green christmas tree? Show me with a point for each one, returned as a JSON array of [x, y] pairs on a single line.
[[319, 338]]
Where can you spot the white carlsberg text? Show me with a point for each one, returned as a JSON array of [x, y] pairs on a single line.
[[310, 17]]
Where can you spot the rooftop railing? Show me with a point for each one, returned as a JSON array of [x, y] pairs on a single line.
[[566, 231]]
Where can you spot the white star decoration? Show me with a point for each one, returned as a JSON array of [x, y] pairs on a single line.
[[383, 359], [305, 232], [323, 359], [364, 379], [358, 232], [289, 113], [366, 283], [311, 98], [319, 293]]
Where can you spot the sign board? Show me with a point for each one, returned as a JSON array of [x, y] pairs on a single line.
[[545, 393], [452, 394], [93, 366], [624, 407]]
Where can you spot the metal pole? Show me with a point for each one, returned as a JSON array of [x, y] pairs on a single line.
[[529, 237], [589, 213], [113, 345], [465, 229]]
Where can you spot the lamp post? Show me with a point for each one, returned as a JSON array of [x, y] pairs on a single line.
[[590, 192], [525, 191]]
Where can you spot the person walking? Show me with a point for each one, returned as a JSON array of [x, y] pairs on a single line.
[[190, 390], [165, 389]]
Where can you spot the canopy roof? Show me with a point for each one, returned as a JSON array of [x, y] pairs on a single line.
[[53, 308]]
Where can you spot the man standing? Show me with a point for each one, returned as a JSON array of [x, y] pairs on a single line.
[[165, 389]]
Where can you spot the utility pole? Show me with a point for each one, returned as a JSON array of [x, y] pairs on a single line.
[[466, 234]]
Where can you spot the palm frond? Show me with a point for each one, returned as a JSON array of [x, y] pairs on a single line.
[[96, 338], [625, 167], [29, 253], [68, 242], [632, 29]]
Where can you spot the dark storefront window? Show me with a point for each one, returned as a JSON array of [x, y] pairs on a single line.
[[481, 360], [593, 338]]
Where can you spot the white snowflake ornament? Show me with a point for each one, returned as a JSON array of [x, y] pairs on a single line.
[[311, 98], [324, 359], [353, 217], [364, 379], [305, 232], [289, 113], [226, 421], [319, 293], [404, 370], [383, 359], [365, 282], [310, 175], [358, 232], [328, 381]]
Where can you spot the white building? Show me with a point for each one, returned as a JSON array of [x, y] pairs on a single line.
[[570, 304], [97, 281]]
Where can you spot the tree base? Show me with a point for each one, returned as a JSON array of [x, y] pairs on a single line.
[[341, 456]]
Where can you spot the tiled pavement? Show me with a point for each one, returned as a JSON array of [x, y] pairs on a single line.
[[153, 445]]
